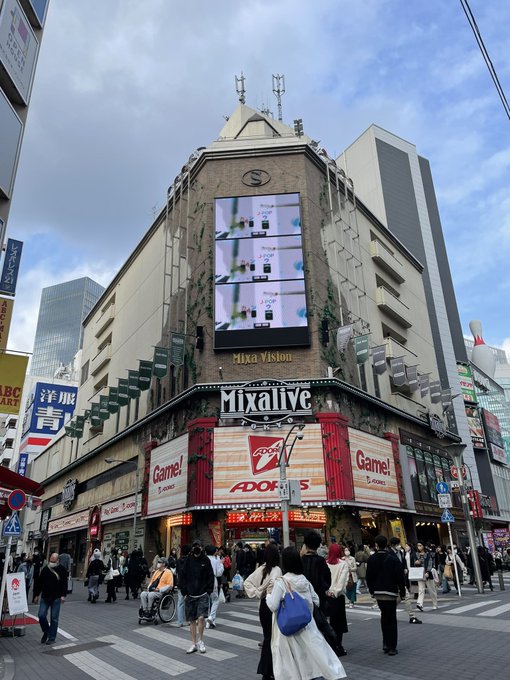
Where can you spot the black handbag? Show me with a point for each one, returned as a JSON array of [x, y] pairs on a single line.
[[325, 628]]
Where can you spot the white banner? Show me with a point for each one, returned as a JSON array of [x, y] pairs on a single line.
[[168, 479], [123, 507], [18, 47], [69, 523], [16, 593]]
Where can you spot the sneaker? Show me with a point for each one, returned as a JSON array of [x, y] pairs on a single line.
[[392, 652], [210, 624], [434, 607], [201, 647], [419, 606], [207, 623], [413, 619], [192, 649]]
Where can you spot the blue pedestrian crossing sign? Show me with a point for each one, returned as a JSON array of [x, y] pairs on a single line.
[[12, 527], [447, 517], [442, 487]]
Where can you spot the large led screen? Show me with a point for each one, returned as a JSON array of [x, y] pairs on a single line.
[[259, 274]]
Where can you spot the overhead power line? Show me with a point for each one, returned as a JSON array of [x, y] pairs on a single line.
[[485, 54]]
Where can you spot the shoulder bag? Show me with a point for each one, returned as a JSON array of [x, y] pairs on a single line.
[[294, 613], [416, 574]]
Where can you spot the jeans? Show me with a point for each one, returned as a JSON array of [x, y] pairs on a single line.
[[389, 623], [181, 614], [147, 599], [49, 628], [214, 599]]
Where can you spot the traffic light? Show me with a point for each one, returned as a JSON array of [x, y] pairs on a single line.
[[325, 332], [199, 339]]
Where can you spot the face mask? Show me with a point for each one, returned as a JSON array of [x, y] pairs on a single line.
[[197, 551], [347, 553], [52, 565]]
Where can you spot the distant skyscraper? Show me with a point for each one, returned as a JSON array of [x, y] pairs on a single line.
[[59, 331]]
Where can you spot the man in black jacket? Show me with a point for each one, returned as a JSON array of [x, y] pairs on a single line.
[[396, 548], [52, 587], [196, 583], [315, 567], [386, 582]]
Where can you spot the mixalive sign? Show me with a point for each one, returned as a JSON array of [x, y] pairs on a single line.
[[266, 403]]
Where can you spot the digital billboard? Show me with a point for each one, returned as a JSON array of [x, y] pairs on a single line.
[[260, 295]]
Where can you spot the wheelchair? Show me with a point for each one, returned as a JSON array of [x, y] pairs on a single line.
[[163, 608]]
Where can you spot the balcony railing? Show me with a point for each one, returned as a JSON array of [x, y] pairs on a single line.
[[101, 359], [105, 320], [393, 307], [387, 261]]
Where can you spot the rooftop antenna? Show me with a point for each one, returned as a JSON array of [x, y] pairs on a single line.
[[278, 91], [240, 88]]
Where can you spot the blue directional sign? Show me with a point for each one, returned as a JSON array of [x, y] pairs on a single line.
[[447, 517], [12, 527], [442, 487]]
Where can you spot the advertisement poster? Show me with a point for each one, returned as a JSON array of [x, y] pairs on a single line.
[[168, 478], [259, 272], [246, 465], [488, 541], [12, 376], [501, 539], [16, 593], [373, 470], [493, 433], [18, 47], [475, 427], [466, 382], [6, 306]]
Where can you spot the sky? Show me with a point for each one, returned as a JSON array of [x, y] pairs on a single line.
[[125, 91]]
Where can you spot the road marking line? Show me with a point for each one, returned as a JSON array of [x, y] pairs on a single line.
[[97, 669], [469, 607], [59, 630], [183, 643], [245, 626], [498, 610], [152, 659], [240, 615], [234, 639]]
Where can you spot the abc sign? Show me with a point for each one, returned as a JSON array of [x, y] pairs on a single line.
[[256, 178]]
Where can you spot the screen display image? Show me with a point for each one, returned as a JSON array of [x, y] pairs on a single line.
[[252, 260], [257, 216], [260, 298]]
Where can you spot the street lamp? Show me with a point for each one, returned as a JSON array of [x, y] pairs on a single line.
[[283, 462], [137, 485], [456, 451]]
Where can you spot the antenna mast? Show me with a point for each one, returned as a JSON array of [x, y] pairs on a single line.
[[278, 91], [240, 88]]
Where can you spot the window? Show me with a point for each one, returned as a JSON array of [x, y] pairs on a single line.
[[84, 372]]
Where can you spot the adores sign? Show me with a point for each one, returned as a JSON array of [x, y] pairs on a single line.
[[373, 470], [168, 479], [246, 466]]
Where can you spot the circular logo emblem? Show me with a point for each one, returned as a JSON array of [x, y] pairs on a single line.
[[256, 178]]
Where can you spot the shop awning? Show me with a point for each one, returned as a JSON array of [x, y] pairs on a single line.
[[10, 480]]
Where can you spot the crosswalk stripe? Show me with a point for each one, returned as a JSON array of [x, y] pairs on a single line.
[[245, 626], [182, 643], [495, 612], [152, 659], [242, 615], [468, 607], [97, 669], [233, 639]]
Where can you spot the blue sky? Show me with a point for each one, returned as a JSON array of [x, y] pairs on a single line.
[[125, 91]]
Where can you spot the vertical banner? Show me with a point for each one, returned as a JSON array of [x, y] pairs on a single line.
[[361, 348], [6, 306], [123, 393], [446, 398], [379, 359], [113, 399], [22, 464], [398, 371], [466, 382], [10, 268], [104, 413], [412, 377], [160, 367], [177, 349], [133, 389], [435, 391], [145, 375], [95, 420], [215, 531], [343, 335], [423, 382], [12, 376]]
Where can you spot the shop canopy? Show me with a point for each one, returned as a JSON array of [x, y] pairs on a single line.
[[10, 480]]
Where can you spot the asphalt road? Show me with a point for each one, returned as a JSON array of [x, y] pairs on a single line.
[[465, 638]]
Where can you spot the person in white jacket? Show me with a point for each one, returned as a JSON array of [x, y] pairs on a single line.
[[218, 568], [306, 654]]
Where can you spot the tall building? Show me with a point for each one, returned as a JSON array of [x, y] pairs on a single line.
[[59, 326], [265, 307], [396, 184], [21, 30]]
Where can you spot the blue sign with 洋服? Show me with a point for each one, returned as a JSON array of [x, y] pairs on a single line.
[[10, 267], [51, 407]]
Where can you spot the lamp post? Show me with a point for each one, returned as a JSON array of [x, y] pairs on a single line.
[[456, 451], [283, 462], [137, 485]]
